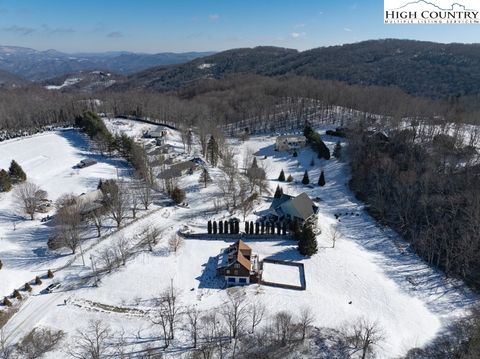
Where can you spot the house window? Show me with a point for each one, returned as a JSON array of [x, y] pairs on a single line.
[[231, 280], [228, 271], [235, 272], [236, 265], [242, 280]]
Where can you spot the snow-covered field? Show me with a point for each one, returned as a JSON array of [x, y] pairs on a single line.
[[281, 274], [367, 274], [48, 160]]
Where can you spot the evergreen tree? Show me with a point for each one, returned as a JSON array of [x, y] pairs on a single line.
[[305, 179], [5, 181], [254, 163], [281, 177], [312, 162], [278, 192], [337, 151], [307, 244], [16, 172], [289, 178], [295, 154], [212, 151], [209, 227], [321, 179], [316, 142]]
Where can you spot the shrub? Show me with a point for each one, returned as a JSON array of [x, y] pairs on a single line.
[[7, 302], [289, 178], [28, 287], [5, 181], [38, 281], [1, 264], [178, 195], [16, 294], [50, 274]]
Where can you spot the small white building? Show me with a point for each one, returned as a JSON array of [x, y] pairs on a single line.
[[290, 142]]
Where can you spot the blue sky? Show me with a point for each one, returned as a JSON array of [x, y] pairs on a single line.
[[202, 25]]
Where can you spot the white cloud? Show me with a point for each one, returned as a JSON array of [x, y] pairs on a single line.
[[347, 29], [297, 35], [214, 17], [298, 26]]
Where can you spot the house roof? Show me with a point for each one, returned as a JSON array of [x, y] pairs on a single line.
[[300, 206], [292, 137], [278, 201], [176, 169], [237, 249]]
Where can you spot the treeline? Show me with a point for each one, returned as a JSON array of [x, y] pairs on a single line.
[[104, 142], [28, 110], [424, 183]]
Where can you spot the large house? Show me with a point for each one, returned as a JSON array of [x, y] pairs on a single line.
[[238, 265], [290, 208], [290, 142]]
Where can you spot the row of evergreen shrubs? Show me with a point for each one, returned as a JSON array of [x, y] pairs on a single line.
[[305, 179], [14, 175], [233, 227], [27, 288], [315, 141]]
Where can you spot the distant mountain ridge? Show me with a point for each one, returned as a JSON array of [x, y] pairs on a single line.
[[37, 65], [419, 68]]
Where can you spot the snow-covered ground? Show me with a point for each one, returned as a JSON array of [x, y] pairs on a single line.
[[48, 160], [66, 83], [369, 272], [281, 274]]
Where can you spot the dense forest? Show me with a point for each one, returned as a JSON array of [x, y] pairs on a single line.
[[419, 68]]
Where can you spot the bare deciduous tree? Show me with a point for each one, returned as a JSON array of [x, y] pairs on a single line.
[[123, 249], [362, 336], [91, 343], [256, 311], [29, 198], [193, 317], [306, 320], [116, 200], [282, 325], [68, 222], [39, 342], [175, 243]]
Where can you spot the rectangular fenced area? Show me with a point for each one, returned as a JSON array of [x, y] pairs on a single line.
[[283, 274]]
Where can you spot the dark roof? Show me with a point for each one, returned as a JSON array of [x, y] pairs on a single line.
[[278, 201], [300, 206], [177, 169]]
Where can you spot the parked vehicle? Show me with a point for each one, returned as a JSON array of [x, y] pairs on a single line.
[[51, 288]]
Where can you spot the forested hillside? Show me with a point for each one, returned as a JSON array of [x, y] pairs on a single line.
[[420, 68]]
